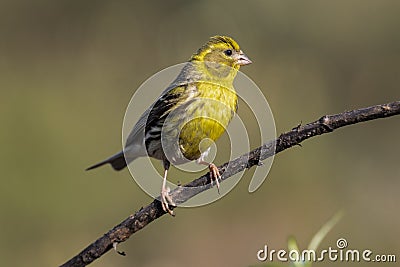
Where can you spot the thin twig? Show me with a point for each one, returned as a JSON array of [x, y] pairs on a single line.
[[146, 215]]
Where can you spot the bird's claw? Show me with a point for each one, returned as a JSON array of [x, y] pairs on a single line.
[[214, 175], [165, 199]]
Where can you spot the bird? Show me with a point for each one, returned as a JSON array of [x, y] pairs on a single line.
[[189, 115]]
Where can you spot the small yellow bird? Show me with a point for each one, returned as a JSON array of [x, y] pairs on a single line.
[[189, 115]]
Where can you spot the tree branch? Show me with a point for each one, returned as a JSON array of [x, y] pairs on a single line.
[[153, 211]]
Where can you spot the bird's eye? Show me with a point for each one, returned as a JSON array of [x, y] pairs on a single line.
[[228, 52]]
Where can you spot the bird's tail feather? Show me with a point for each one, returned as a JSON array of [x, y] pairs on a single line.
[[117, 161]]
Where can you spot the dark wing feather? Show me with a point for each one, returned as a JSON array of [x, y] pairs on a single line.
[[156, 113]]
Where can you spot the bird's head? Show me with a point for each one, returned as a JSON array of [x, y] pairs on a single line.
[[221, 51]]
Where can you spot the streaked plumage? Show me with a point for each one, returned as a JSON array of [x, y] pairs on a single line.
[[199, 104]]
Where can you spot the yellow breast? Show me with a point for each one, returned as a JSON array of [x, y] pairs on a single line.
[[208, 115]]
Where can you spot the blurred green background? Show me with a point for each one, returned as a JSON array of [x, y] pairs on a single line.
[[69, 68]]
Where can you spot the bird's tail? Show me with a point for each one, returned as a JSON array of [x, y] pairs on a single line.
[[117, 161]]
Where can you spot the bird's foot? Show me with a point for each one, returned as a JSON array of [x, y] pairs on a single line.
[[214, 175], [166, 201]]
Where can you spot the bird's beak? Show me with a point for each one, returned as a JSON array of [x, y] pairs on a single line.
[[242, 59]]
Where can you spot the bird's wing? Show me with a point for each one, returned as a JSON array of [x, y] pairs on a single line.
[[149, 116], [155, 115]]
